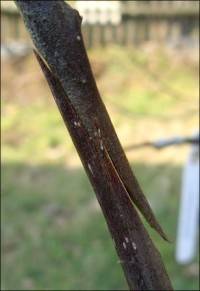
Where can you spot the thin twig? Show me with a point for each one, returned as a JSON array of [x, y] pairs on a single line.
[[163, 143]]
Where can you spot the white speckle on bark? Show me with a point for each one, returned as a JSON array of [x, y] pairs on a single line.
[[83, 81], [90, 168], [101, 145], [124, 245], [77, 123], [126, 239], [78, 37], [134, 246], [99, 132]]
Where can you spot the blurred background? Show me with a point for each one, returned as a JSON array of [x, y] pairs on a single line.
[[145, 58]]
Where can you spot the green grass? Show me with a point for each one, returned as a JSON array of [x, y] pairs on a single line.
[[54, 239], [54, 235]]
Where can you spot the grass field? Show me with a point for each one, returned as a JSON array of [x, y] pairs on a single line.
[[54, 236]]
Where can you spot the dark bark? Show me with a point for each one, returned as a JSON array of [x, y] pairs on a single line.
[[56, 32]]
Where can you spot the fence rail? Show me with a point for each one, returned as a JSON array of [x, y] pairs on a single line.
[[166, 8]]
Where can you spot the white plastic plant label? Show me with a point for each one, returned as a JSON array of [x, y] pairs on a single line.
[[188, 223]]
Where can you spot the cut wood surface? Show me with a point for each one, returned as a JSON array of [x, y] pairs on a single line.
[[55, 29]]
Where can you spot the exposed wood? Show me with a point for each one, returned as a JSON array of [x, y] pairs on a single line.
[[56, 32]]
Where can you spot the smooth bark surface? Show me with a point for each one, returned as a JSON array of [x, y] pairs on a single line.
[[56, 32]]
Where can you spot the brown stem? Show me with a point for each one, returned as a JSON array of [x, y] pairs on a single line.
[[56, 32]]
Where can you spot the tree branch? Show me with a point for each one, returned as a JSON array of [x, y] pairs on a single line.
[[55, 29]]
